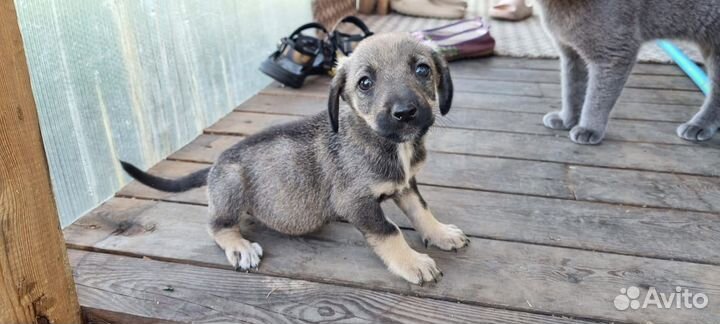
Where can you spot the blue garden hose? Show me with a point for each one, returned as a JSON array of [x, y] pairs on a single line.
[[687, 65]]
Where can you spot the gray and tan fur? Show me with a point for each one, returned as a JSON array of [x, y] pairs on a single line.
[[294, 178], [599, 40]]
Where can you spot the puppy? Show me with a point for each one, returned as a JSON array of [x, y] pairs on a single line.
[[296, 177], [599, 40]]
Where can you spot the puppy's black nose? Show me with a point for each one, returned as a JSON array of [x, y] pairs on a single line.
[[404, 113]]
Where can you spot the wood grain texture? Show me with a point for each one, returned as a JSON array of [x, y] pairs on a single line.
[[140, 287], [678, 113], [557, 228], [518, 276], [614, 154], [461, 72], [536, 178], [307, 105], [620, 155], [536, 220], [554, 65], [243, 124], [205, 148], [103, 316], [498, 119], [319, 87], [35, 281]]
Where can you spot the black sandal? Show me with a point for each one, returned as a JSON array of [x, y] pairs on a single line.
[[298, 56], [344, 44]]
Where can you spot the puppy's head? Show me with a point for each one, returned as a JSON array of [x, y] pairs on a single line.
[[395, 84]]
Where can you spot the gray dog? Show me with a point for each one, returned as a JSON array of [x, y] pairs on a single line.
[[296, 177], [599, 41]]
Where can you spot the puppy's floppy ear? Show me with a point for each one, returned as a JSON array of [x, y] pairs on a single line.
[[444, 83], [336, 89]]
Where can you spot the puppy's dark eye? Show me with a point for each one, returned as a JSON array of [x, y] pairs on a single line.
[[422, 70], [365, 84]]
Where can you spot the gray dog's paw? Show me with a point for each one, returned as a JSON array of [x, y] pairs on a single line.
[[585, 136], [416, 268], [695, 133], [554, 121], [244, 255], [446, 237]]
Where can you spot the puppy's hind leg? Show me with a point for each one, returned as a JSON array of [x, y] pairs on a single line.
[[574, 85], [706, 122], [226, 205]]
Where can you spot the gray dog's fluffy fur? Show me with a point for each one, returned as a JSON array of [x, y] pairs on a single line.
[[296, 177], [598, 41]]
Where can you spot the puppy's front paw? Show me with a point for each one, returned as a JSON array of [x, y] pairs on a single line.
[[586, 136], [244, 255], [416, 268], [555, 121], [696, 133], [446, 237]]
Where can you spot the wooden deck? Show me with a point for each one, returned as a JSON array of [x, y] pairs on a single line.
[[557, 229]]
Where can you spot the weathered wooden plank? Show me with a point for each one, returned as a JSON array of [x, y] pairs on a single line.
[[624, 109], [462, 72], [102, 316], [35, 281], [665, 190], [320, 86], [202, 294], [442, 170], [624, 155], [677, 97], [247, 123], [450, 170], [494, 120], [675, 111], [554, 65], [205, 148], [583, 225], [528, 277], [557, 180], [307, 105]]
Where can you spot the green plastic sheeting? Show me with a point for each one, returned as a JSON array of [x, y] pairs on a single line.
[[137, 80]]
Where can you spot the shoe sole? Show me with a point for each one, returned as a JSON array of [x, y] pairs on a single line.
[[276, 72]]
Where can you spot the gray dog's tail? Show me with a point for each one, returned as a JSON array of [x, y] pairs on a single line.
[[193, 180]]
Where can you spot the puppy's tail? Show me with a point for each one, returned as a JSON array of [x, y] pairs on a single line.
[[193, 180]]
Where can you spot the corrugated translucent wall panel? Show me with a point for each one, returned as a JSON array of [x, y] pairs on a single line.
[[136, 80]]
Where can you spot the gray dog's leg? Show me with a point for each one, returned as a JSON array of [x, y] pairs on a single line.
[[574, 85], [389, 244], [706, 122], [606, 82], [444, 236], [226, 204]]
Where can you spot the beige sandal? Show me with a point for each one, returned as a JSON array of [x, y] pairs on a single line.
[[514, 10]]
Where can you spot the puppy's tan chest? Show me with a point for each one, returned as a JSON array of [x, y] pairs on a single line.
[[405, 156]]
